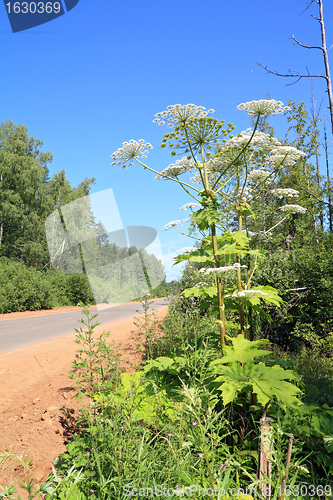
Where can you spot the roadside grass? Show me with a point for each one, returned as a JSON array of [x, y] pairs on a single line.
[[164, 431]]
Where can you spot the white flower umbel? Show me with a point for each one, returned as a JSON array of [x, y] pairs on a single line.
[[196, 179], [285, 193], [260, 234], [180, 167], [189, 205], [259, 139], [259, 175], [218, 270], [246, 293], [293, 209], [217, 165], [242, 194], [173, 223], [178, 113], [285, 156], [264, 107], [186, 250], [130, 151]]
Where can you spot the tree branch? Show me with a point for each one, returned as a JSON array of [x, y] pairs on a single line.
[[306, 8], [291, 74], [324, 50], [314, 196], [306, 46]]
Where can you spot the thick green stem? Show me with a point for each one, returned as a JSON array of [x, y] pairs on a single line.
[[239, 286], [217, 262], [219, 292], [193, 155], [206, 183]]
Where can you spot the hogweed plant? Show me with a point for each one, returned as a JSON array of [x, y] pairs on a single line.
[[227, 177], [230, 180]]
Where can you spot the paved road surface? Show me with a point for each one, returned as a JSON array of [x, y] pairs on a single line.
[[25, 331]]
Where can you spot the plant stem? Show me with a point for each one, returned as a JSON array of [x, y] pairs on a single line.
[[239, 286], [219, 292], [167, 177]]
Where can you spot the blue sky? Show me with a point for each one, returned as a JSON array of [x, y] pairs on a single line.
[[94, 78]]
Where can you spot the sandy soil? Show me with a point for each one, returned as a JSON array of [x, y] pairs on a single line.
[[37, 406]]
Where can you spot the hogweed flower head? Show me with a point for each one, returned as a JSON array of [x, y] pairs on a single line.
[[259, 175], [293, 209], [285, 193], [186, 249], [259, 139], [180, 114], [218, 270], [189, 205], [285, 156], [264, 107], [217, 165], [246, 293], [173, 223], [179, 167], [260, 234], [130, 151]]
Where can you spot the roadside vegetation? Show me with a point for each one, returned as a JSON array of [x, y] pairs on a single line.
[[234, 395]]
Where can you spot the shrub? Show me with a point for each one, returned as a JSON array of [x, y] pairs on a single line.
[[304, 279], [78, 289], [26, 289], [23, 288]]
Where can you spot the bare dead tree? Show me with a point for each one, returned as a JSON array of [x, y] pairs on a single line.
[[324, 50], [315, 120], [328, 179]]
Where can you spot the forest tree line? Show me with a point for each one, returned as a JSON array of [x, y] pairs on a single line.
[[28, 196]]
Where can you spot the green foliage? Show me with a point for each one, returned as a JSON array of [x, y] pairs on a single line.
[[28, 196], [304, 280], [95, 362], [165, 424], [24, 288], [162, 290], [208, 215], [190, 414], [78, 289], [148, 328], [242, 374], [139, 401]]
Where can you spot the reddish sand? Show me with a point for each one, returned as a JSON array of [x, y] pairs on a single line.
[[36, 395]]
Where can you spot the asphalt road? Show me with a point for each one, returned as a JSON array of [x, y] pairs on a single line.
[[20, 332]]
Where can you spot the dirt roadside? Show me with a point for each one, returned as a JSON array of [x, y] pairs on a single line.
[[34, 386]]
